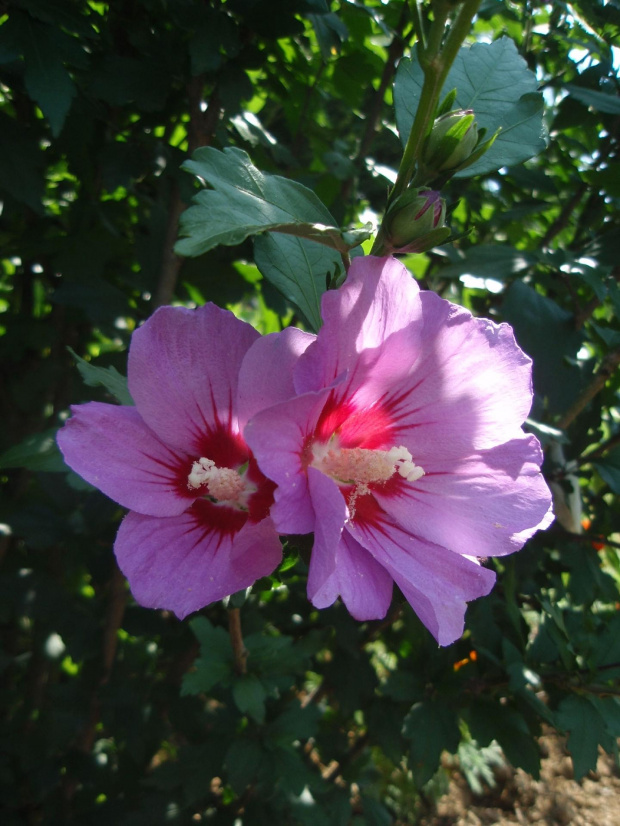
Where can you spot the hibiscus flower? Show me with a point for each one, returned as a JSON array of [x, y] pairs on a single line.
[[199, 526], [402, 449]]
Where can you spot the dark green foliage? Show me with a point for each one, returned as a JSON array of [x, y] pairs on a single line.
[[116, 714]]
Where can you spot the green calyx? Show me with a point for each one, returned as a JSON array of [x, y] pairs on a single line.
[[415, 222], [451, 143]]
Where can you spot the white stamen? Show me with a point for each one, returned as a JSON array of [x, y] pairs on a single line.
[[361, 466], [223, 483]]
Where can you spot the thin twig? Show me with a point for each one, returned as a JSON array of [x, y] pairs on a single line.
[[601, 377], [202, 126], [240, 652]]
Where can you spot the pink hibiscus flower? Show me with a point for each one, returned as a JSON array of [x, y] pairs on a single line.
[[402, 448], [199, 526]]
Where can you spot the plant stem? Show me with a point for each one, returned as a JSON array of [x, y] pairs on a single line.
[[240, 652], [436, 63]]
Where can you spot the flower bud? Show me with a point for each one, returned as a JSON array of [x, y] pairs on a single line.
[[415, 222], [452, 141]]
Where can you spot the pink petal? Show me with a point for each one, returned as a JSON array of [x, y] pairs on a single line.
[[183, 372], [277, 437], [364, 586], [469, 389], [377, 309], [328, 503], [487, 504], [266, 375], [182, 563], [436, 582], [112, 448]]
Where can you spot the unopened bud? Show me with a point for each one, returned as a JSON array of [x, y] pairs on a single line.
[[415, 222], [451, 143]]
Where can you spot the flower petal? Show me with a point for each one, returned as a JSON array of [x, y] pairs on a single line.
[[436, 582], [376, 312], [329, 503], [277, 437], [363, 584], [182, 563], [266, 375], [487, 504], [470, 388], [183, 372], [112, 448]]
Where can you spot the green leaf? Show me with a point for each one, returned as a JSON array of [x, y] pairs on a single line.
[[39, 452], [490, 721], [498, 261], [494, 81], [330, 32], [215, 663], [602, 102], [250, 695], [245, 201], [295, 723], [107, 377], [243, 761], [609, 469], [48, 83], [586, 728], [547, 333], [299, 269], [432, 728], [21, 163]]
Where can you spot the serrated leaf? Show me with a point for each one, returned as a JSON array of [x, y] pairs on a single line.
[[432, 728], [107, 377], [299, 269], [215, 663], [250, 695], [494, 81], [39, 452], [586, 728], [245, 201], [489, 721]]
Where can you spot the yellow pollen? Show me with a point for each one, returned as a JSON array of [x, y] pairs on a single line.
[[223, 483]]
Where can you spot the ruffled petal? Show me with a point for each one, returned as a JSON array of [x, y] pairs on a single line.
[[436, 582], [470, 389], [266, 375], [112, 448], [359, 580], [377, 313], [183, 372], [182, 563], [487, 504], [277, 437]]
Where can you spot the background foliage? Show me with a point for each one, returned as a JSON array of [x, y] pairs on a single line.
[[117, 714]]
